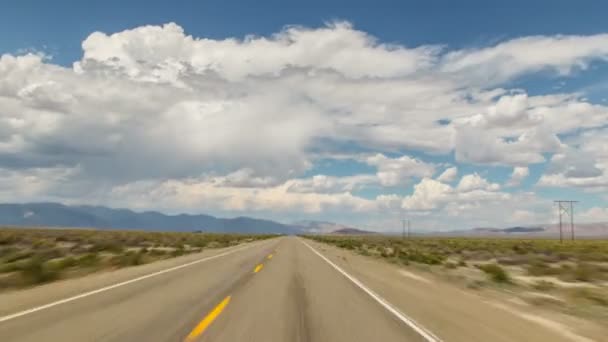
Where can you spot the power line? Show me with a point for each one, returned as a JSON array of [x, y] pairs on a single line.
[[567, 208]]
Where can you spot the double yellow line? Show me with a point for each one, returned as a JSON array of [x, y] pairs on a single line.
[[217, 310]]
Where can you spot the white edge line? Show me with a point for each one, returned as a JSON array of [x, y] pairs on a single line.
[[110, 287], [428, 336]]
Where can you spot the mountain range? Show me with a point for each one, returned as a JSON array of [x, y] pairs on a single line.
[[583, 230], [82, 216], [59, 215]]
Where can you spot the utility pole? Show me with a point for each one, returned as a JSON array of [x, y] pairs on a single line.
[[403, 229], [572, 220], [566, 207]]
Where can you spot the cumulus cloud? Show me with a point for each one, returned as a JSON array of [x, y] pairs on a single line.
[[585, 166], [515, 57], [155, 117], [154, 52], [395, 171], [518, 175], [330, 184], [428, 195], [192, 194], [449, 175], [476, 182], [594, 214], [472, 189]]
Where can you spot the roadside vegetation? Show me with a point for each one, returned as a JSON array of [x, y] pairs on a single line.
[[34, 256], [571, 276]]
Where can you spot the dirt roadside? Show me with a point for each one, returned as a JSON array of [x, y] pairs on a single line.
[[456, 313]]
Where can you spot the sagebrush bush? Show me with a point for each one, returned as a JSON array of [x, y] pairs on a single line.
[[36, 271], [496, 273]]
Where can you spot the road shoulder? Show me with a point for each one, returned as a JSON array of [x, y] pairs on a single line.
[[450, 312]]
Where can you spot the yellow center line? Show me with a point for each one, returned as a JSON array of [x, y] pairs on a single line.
[[204, 324], [269, 256], [258, 268]]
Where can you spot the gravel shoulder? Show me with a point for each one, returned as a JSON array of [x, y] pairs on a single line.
[[456, 313]]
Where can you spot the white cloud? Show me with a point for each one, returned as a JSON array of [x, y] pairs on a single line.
[[585, 166], [244, 178], [449, 175], [155, 117], [139, 53], [518, 175], [515, 57], [598, 183], [396, 171], [330, 184], [428, 195], [472, 190], [34, 184], [192, 194], [594, 214], [476, 182]]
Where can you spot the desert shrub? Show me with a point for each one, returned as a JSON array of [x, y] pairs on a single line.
[[88, 260], [178, 251], [595, 296], [129, 258], [539, 268], [386, 252], [49, 253], [9, 267], [18, 255], [157, 252], [423, 258], [8, 251], [543, 285], [587, 272], [495, 272], [364, 251], [44, 243], [347, 244], [36, 271], [450, 265], [68, 262], [107, 246]]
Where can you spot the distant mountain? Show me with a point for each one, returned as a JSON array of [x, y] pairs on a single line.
[[523, 230], [352, 231], [59, 215], [319, 227], [599, 229]]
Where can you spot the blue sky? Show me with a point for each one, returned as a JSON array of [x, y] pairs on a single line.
[[63, 25], [309, 110]]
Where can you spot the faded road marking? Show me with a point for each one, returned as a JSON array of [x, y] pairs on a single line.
[[206, 322], [426, 334], [414, 276], [258, 268]]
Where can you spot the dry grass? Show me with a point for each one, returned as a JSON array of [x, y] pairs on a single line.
[[34, 256], [574, 273]]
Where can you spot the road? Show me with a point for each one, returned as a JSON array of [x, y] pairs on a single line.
[[283, 289]]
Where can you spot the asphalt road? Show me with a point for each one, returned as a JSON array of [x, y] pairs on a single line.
[[294, 296], [275, 290]]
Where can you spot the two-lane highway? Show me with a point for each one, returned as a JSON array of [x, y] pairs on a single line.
[[275, 290], [280, 290]]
